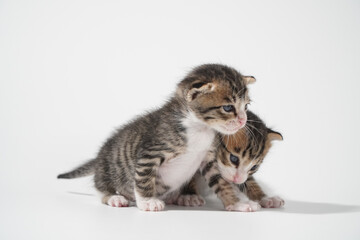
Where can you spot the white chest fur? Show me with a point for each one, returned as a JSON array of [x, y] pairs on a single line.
[[177, 171]]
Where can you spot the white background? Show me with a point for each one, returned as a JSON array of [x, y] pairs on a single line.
[[72, 71]]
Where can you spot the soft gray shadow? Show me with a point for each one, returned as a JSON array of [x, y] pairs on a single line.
[[299, 207], [290, 207], [210, 205], [207, 207], [83, 194], [315, 208]]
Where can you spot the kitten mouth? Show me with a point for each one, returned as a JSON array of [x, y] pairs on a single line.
[[228, 180], [231, 180], [237, 182], [232, 130]]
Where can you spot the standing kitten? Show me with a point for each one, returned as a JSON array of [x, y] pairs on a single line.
[[238, 158], [149, 159]]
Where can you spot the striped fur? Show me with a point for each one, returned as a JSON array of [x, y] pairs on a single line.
[[151, 158], [86, 169], [250, 146]]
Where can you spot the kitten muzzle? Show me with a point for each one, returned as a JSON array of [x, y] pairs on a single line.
[[235, 125], [241, 119], [238, 180]]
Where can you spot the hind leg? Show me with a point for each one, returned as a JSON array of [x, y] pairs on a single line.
[[115, 201], [107, 191]]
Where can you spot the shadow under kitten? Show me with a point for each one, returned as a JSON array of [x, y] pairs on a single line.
[[291, 207], [316, 208]]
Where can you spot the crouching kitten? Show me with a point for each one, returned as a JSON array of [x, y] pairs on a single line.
[[239, 156], [150, 159]]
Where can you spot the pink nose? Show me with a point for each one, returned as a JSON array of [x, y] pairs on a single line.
[[242, 121], [237, 179]]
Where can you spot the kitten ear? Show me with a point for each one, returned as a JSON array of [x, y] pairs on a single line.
[[272, 135], [249, 79], [199, 88]]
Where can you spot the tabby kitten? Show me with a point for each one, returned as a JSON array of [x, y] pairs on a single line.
[[238, 158], [151, 158]]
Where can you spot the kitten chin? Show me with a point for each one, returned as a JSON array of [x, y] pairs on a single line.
[[223, 129]]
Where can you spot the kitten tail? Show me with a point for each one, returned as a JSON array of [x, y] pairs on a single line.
[[84, 170]]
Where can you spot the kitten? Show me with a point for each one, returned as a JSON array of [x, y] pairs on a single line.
[[151, 158], [239, 156]]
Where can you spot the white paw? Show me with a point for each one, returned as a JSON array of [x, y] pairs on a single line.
[[249, 206], [151, 204], [190, 200], [272, 202], [117, 201]]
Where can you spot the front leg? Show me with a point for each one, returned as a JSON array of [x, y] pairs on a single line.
[[189, 195], [253, 190], [145, 183], [227, 192]]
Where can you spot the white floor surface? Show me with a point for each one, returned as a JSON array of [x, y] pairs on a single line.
[[72, 210]]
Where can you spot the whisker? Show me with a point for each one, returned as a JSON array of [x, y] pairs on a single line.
[[249, 120], [253, 137], [255, 129]]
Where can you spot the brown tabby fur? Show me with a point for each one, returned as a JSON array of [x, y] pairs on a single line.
[[250, 144], [130, 161]]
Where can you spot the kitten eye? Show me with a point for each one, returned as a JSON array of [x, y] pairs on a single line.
[[254, 168], [234, 159], [228, 108]]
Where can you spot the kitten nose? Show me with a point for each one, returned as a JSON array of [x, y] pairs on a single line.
[[242, 120], [237, 179]]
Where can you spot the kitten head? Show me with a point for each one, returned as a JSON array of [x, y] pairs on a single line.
[[218, 96], [241, 154]]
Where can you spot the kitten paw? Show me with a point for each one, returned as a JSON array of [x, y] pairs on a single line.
[[117, 201], [151, 204], [193, 200], [249, 206], [272, 202]]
